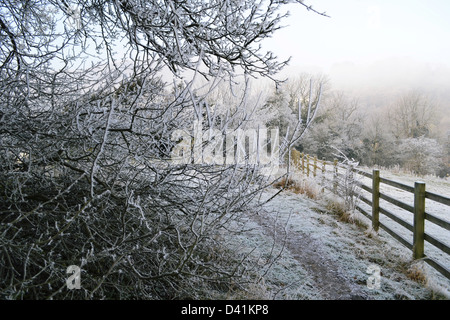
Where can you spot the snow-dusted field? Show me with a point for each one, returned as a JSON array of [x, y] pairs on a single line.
[[321, 257]]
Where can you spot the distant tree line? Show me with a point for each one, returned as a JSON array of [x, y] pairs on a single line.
[[401, 135]]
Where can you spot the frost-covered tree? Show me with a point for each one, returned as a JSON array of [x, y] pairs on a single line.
[[297, 100], [404, 135], [444, 170], [338, 125], [379, 145], [278, 105], [306, 89], [420, 155], [412, 115], [87, 118]]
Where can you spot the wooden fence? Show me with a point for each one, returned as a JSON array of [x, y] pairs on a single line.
[[311, 165]]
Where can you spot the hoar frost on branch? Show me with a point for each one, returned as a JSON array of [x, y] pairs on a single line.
[[86, 124]]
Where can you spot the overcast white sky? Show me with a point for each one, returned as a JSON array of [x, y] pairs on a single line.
[[367, 36], [365, 31]]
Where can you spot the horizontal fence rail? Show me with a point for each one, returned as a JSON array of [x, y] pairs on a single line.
[[311, 165]]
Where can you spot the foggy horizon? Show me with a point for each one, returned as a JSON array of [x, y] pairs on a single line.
[[374, 51]]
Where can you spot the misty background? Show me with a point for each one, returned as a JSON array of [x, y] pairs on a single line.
[[376, 53], [375, 49]]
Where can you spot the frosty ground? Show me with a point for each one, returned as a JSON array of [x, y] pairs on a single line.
[[305, 251], [433, 184]]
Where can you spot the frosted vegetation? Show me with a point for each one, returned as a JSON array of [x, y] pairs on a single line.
[[86, 143], [405, 132], [322, 252], [92, 94]]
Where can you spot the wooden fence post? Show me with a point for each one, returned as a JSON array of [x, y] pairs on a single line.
[[315, 166], [303, 163], [335, 175], [323, 176], [419, 220], [307, 165], [376, 200]]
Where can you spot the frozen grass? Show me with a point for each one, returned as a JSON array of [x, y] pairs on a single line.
[[299, 186], [313, 249]]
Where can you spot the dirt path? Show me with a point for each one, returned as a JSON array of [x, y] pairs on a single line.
[[326, 273], [319, 256]]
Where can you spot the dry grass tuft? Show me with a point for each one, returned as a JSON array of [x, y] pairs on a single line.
[[417, 273], [338, 208], [257, 290], [299, 187], [370, 232]]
